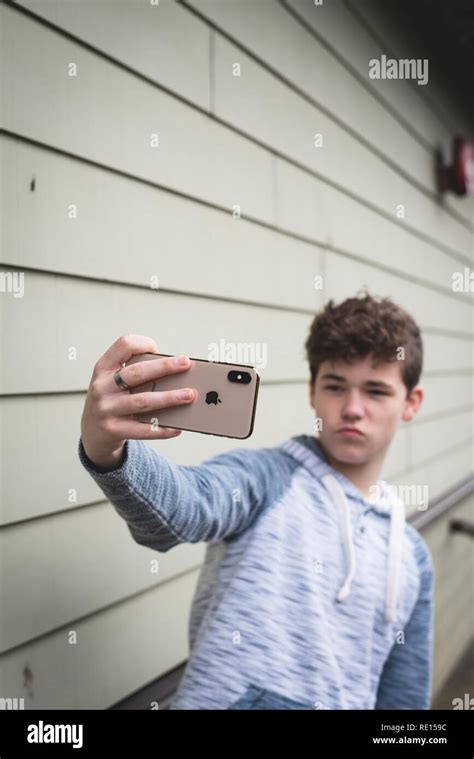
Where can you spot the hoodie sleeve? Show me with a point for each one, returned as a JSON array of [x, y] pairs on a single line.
[[165, 504], [407, 675]]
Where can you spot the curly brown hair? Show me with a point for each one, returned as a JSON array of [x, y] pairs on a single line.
[[362, 325]]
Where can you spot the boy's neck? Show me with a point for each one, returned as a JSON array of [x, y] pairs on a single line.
[[363, 476]]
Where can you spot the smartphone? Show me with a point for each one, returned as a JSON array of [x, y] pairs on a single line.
[[225, 402]]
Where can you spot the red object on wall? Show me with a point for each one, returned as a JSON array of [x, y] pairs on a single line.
[[459, 177]]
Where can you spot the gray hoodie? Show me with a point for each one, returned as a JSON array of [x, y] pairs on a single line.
[[310, 596]]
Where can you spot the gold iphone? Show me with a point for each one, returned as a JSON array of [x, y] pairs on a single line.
[[225, 402]]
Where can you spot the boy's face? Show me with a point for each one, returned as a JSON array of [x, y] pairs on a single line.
[[365, 397]]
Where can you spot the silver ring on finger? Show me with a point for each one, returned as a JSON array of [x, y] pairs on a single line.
[[119, 381]]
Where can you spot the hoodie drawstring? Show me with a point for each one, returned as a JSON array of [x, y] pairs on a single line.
[[340, 500], [397, 527]]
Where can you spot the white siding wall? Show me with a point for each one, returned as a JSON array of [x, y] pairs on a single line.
[[67, 561]]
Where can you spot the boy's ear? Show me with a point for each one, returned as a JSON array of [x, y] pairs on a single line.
[[413, 403]]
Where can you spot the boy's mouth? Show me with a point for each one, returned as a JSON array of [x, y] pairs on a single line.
[[350, 432]]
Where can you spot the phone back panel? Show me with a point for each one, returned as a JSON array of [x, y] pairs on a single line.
[[220, 408]]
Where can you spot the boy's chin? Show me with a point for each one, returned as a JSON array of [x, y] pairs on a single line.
[[346, 452]]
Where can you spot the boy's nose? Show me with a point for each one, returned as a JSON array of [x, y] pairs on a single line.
[[353, 406]]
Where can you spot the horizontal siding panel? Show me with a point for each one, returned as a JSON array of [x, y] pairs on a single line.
[[439, 475], [431, 310], [309, 207], [438, 97], [436, 435], [443, 394], [423, 441], [320, 75], [355, 168], [94, 115], [447, 353], [336, 26], [68, 566], [126, 230], [93, 315], [263, 107], [399, 40], [118, 650], [167, 33], [54, 482], [168, 29]]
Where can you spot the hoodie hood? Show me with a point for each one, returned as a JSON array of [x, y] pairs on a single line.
[[307, 450]]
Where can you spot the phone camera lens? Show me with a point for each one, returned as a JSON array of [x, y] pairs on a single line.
[[242, 378]]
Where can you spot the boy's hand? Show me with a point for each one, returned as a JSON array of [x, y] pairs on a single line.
[[107, 419]]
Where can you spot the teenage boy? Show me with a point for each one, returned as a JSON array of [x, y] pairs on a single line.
[[314, 592]]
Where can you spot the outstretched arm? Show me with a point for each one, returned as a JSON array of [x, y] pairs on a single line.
[[165, 504]]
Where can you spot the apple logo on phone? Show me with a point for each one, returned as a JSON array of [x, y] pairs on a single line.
[[213, 397]]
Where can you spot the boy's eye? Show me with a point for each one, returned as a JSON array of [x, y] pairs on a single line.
[[371, 392]]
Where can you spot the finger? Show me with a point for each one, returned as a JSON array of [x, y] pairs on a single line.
[[123, 349], [133, 430], [143, 372], [126, 404]]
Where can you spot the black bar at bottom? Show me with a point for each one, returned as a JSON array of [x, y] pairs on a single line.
[[50, 733]]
